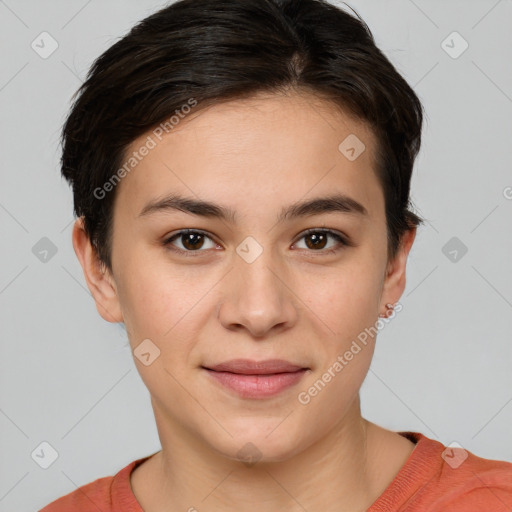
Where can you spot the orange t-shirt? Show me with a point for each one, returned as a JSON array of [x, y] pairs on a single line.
[[434, 478]]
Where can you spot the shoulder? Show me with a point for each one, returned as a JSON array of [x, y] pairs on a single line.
[[470, 482], [94, 493], [439, 478], [108, 494]]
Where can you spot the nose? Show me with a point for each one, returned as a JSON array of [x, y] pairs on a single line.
[[258, 297]]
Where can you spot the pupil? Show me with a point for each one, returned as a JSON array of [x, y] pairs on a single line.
[[317, 241], [189, 240]]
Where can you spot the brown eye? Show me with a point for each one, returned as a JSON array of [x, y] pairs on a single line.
[[317, 240], [190, 240]]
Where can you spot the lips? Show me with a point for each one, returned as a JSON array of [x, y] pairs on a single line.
[[256, 379], [249, 367]]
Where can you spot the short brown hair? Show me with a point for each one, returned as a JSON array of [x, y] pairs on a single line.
[[214, 51]]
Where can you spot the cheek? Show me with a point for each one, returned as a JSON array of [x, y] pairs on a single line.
[[346, 298], [155, 297], [161, 310], [349, 308], [145, 304], [171, 310]]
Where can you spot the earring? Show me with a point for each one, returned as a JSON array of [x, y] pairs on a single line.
[[389, 310]]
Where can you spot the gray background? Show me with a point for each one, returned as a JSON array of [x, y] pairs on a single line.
[[442, 367]]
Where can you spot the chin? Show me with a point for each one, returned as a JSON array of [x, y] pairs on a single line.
[[272, 441]]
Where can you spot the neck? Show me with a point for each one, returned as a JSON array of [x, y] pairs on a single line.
[[342, 471]]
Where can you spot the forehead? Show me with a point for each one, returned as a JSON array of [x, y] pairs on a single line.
[[255, 152]]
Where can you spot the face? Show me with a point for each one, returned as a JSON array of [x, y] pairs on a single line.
[[257, 277]]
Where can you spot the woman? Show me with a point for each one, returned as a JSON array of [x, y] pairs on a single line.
[[241, 174]]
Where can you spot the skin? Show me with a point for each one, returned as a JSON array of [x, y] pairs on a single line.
[[294, 302]]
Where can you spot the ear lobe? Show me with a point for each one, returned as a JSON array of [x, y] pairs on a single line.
[[394, 282], [99, 281]]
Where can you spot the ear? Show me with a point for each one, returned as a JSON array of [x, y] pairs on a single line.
[[99, 280], [394, 280]]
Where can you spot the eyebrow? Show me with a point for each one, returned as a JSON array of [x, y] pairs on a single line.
[[337, 203]]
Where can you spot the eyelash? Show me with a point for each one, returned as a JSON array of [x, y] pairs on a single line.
[[344, 242]]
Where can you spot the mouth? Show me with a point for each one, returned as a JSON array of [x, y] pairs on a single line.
[[256, 379]]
